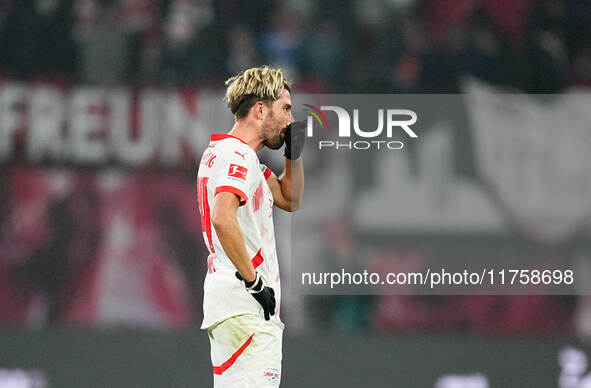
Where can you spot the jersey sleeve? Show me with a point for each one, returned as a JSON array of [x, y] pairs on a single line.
[[236, 175], [265, 170]]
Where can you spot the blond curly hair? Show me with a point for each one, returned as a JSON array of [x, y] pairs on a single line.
[[252, 85]]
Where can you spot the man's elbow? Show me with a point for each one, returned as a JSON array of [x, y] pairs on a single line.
[[293, 205], [221, 220], [293, 201]]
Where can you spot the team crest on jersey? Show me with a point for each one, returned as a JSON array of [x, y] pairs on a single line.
[[272, 375], [237, 172]]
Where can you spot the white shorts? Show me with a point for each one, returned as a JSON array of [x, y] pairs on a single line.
[[246, 352]]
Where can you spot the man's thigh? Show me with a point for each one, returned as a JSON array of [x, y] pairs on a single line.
[[246, 352]]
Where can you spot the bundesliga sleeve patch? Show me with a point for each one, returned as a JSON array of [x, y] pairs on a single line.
[[237, 172]]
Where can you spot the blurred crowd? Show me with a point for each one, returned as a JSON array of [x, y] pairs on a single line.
[[338, 46]]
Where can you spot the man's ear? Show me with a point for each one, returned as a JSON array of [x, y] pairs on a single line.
[[258, 110]]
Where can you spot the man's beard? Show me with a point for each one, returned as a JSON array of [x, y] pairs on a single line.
[[276, 142]]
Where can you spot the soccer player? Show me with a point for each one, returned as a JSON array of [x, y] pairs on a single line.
[[237, 196]]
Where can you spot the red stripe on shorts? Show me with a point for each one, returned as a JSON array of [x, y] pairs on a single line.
[[218, 370]]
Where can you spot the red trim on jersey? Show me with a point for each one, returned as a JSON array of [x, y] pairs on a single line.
[[218, 136], [257, 259], [267, 173], [204, 210], [218, 370], [234, 190]]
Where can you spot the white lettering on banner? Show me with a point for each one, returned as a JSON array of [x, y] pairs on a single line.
[[45, 124], [11, 95], [86, 145], [180, 127], [131, 151], [92, 125]]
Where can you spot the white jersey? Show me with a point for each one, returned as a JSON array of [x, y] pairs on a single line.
[[231, 165]]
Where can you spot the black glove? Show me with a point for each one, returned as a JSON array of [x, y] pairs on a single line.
[[263, 294], [295, 137]]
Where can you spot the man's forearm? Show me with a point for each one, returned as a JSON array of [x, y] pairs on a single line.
[[292, 182], [230, 236]]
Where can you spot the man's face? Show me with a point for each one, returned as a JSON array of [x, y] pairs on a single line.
[[278, 117]]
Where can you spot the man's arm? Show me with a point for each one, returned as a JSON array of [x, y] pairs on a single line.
[[228, 231], [288, 188]]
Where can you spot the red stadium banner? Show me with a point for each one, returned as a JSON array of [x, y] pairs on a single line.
[[107, 248], [91, 125]]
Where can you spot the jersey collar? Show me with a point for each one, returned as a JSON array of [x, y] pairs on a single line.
[[216, 137]]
